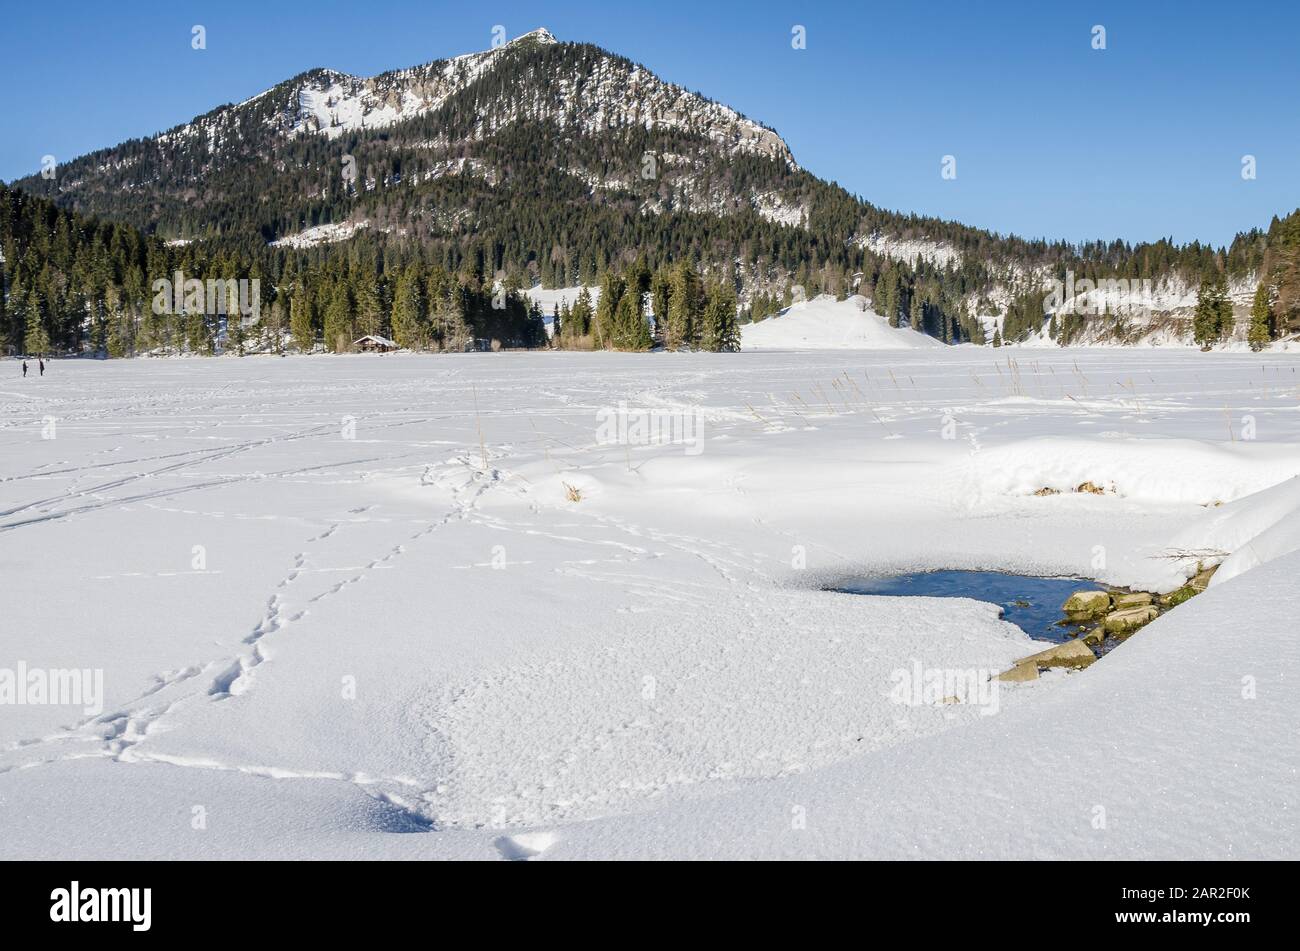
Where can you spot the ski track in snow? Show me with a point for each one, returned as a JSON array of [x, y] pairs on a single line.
[[645, 646]]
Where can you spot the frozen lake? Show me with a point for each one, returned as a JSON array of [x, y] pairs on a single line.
[[432, 606]]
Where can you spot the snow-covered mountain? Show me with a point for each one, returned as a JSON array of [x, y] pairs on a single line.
[[511, 137], [617, 93]]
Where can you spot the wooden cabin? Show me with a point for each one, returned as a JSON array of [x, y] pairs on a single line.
[[373, 343]]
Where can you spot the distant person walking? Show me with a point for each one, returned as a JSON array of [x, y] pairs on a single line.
[[42, 363], [24, 368]]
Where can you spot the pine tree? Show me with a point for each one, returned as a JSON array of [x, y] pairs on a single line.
[[370, 307], [36, 340], [407, 318], [275, 325], [684, 308], [631, 330], [339, 329], [300, 322], [581, 317], [728, 331], [199, 338], [886, 301], [1213, 314], [604, 327], [452, 317], [534, 328], [235, 334], [719, 332], [1261, 318]]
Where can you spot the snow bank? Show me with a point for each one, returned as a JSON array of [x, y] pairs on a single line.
[[1153, 470], [824, 323], [1251, 531]]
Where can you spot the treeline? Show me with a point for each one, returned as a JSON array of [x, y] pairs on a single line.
[[418, 304], [73, 284], [67, 281], [1280, 275], [1275, 308], [70, 283]]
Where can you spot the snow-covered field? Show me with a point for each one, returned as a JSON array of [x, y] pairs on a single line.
[[451, 606]]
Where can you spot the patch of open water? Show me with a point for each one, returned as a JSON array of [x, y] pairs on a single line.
[[1031, 603]]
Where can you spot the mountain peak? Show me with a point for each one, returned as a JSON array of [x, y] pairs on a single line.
[[598, 124], [539, 35]]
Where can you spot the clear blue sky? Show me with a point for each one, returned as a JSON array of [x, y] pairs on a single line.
[[1051, 137]]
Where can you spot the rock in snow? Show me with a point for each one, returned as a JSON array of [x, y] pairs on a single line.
[[1087, 603]]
